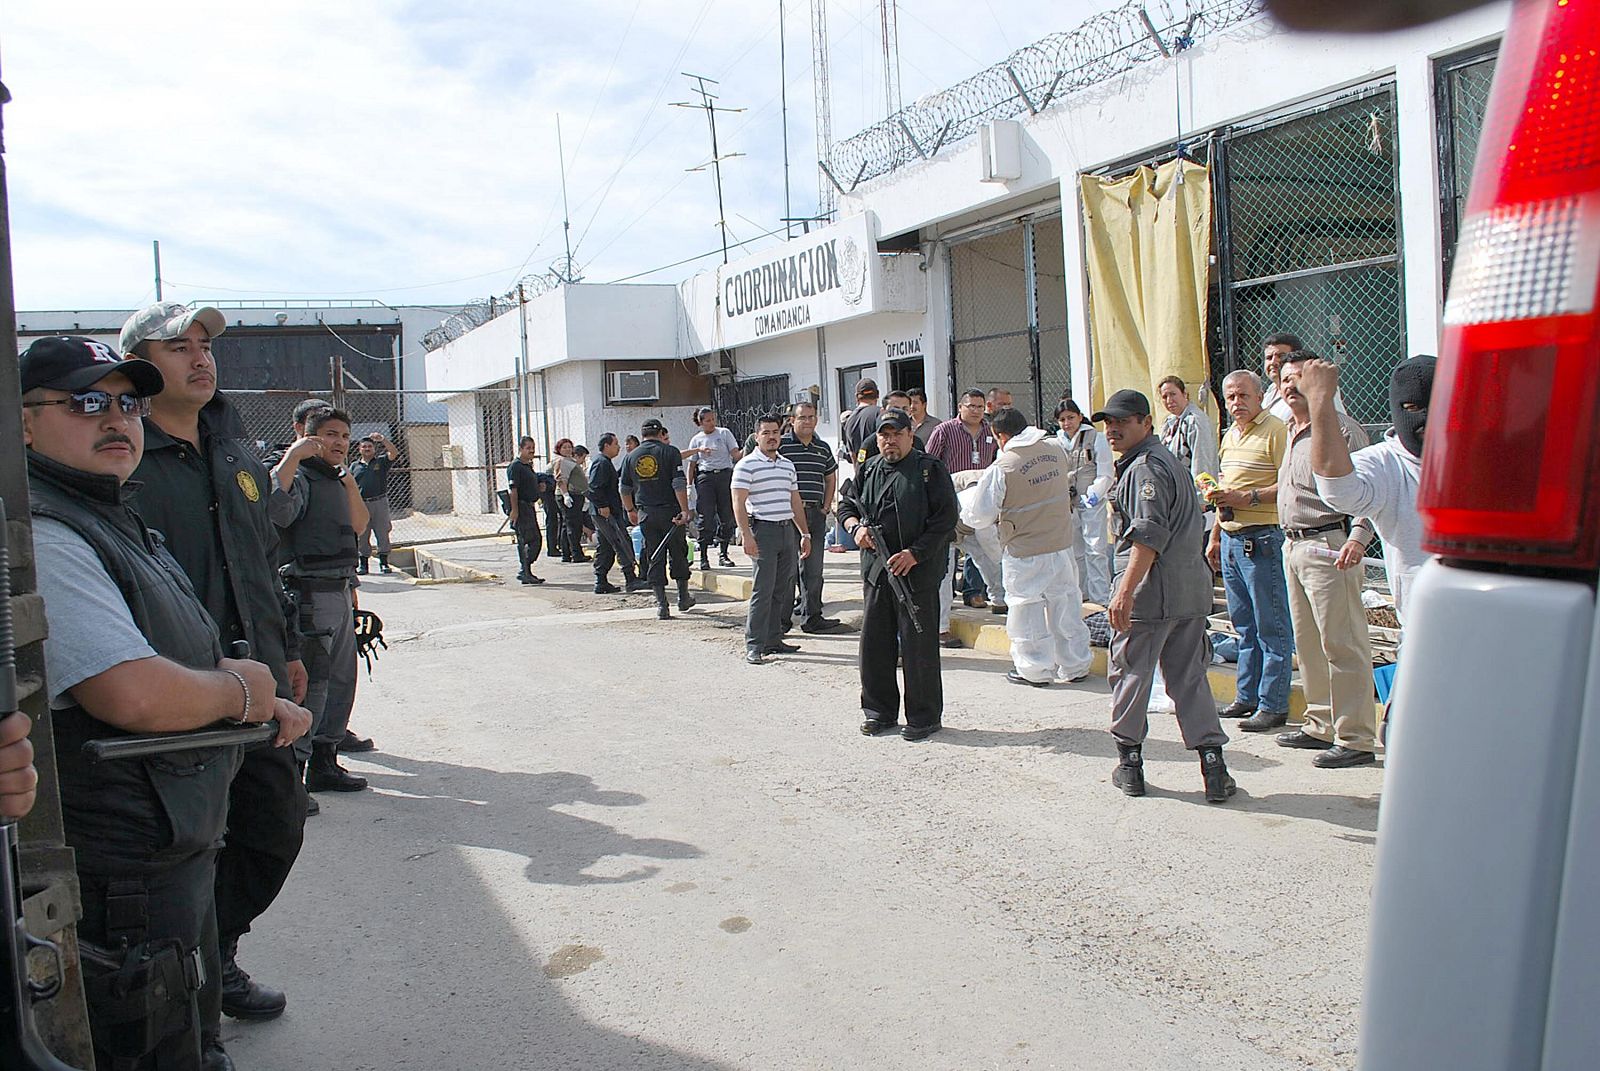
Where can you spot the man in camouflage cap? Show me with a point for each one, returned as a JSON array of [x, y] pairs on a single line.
[[168, 320]]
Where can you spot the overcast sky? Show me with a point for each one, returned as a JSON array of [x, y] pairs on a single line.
[[406, 152]]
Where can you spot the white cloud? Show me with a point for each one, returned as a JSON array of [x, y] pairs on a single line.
[[354, 149]]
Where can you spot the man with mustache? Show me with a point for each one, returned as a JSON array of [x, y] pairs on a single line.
[[207, 493], [131, 649], [1322, 554], [319, 510], [1162, 596]]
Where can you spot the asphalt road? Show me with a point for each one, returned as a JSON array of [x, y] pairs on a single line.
[[596, 840]]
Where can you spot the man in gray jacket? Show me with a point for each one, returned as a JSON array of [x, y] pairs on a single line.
[[1160, 600]]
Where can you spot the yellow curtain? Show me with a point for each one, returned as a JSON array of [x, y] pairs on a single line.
[[1147, 247]]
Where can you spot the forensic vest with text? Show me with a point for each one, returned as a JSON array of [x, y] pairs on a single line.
[[1036, 512]]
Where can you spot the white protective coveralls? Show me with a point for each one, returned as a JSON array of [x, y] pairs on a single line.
[[1049, 641], [1090, 457]]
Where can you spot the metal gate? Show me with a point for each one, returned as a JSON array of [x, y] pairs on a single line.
[[1009, 313], [740, 403], [1462, 97], [1308, 218], [451, 458]]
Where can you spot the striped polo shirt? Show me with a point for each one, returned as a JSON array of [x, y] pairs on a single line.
[[770, 482], [812, 464], [1251, 455]]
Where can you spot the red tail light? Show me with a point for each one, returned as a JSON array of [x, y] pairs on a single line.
[[1511, 469]]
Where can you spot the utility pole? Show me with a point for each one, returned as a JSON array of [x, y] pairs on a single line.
[[826, 198], [157, 246], [708, 103], [890, 21], [565, 273], [522, 361]]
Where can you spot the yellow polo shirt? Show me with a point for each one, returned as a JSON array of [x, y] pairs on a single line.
[[1251, 456]]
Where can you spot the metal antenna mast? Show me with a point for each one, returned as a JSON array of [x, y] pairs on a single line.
[[783, 97], [889, 19], [826, 201], [708, 102], [566, 272]]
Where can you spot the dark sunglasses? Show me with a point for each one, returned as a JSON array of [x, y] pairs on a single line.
[[95, 402]]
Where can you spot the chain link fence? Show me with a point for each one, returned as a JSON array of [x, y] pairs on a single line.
[[1314, 233], [992, 343], [442, 482], [1463, 103]]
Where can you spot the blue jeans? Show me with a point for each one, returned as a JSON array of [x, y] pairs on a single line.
[[1258, 606], [972, 580]]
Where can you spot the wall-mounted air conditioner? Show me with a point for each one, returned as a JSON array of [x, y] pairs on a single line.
[[1000, 149], [634, 388]]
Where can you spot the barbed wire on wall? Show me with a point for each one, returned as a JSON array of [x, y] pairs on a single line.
[[477, 313], [1029, 80]]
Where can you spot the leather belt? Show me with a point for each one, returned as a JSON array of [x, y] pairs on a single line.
[[1306, 533], [1249, 530]]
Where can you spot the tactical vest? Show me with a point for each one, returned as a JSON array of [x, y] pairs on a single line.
[[134, 816], [322, 542], [1036, 512], [1081, 468]]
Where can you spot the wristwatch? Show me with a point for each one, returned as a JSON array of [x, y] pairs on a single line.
[[1255, 498]]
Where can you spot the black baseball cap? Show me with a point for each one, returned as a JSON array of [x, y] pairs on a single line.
[[1123, 404], [652, 427], [894, 420], [72, 362]]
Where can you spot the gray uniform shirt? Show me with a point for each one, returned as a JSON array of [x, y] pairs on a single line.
[[91, 627], [1153, 504]]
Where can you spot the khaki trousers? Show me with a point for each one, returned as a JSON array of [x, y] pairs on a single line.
[[1331, 638]]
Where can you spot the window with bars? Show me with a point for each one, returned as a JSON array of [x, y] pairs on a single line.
[[1309, 208], [1461, 85]]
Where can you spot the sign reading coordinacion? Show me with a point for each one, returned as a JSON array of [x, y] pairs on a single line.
[[821, 278]]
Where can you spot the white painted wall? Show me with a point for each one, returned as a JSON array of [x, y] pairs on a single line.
[[1251, 71]]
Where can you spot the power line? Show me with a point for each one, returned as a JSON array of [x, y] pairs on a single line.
[[691, 260]]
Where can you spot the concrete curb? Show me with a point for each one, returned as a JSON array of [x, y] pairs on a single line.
[[426, 568], [989, 637]]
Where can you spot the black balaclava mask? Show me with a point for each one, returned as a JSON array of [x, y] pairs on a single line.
[[1410, 384]]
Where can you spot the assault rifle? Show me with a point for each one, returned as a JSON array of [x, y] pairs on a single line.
[[20, 1044], [897, 584]]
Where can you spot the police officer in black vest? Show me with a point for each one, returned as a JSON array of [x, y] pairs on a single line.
[[206, 492], [656, 495], [130, 650], [910, 495], [317, 506]]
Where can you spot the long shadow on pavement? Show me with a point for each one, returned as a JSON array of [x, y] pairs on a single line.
[[416, 962], [1093, 743], [513, 811]]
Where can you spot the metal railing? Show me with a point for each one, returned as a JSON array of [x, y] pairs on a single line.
[[1030, 80]]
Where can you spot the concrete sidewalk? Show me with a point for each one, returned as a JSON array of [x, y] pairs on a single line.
[[979, 630]]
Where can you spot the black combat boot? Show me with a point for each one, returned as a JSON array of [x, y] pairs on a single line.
[[602, 586], [213, 1057], [244, 998], [361, 567], [1129, 774], [723, 559], [661, 603], [383, 564], [705, 558], [685, 600], [324, 774], [1219, 785], [632, 582]]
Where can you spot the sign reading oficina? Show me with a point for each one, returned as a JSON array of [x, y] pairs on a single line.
[[810, 281]]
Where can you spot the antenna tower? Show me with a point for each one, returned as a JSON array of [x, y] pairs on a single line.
[[889, 19], [566, 271], [826, 199], [708, 103]]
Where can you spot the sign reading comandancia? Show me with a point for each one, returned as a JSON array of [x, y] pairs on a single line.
[[816, 279]]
